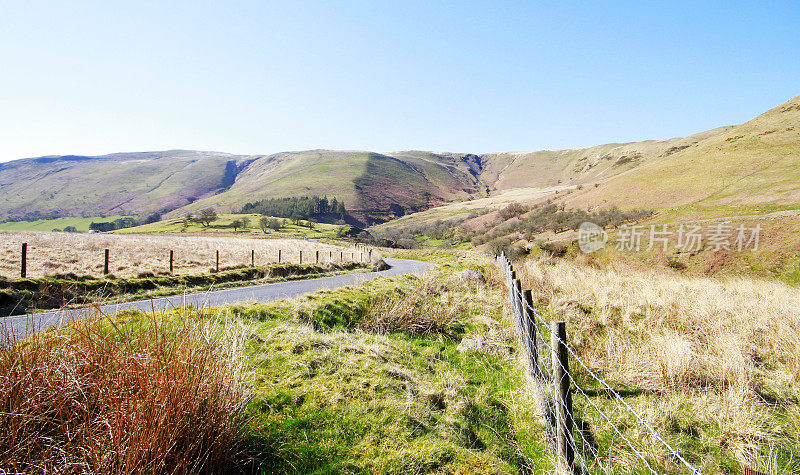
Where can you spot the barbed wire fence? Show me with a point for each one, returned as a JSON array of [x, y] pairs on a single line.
[[573, 437]]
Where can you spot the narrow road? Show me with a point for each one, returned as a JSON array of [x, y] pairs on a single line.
[[23, 325]]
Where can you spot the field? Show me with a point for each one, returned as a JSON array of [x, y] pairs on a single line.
[[131, 255], [712, 363], [44, 225], [304, 229]]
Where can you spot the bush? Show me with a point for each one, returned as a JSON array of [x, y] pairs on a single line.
[[512, 211]]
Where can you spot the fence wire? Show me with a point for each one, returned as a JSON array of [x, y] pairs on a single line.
[[585, 418]]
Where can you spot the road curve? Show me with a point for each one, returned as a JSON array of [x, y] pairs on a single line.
[[23, 325]]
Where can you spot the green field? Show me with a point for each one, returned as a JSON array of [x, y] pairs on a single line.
[[81, 224], [304, 229]]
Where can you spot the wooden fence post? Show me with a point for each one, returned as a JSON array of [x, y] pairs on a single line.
[[330, 256], [341, 256], [301, 257], [279, 256], [171, 260], [530, 328], [370, 255], [563, 398], [217, 260], [23, 265], [252, 257], [317, 257], [105, 263]]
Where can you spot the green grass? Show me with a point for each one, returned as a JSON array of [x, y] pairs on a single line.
[[304, 229], [81, 224], [329, 399]]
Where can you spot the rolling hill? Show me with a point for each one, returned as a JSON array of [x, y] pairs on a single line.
[[753, 166], [121, 183], [374, 186]]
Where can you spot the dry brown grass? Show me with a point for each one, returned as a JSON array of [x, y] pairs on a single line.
[[131, 255], [730, 347], [146, 396], [431, 308]]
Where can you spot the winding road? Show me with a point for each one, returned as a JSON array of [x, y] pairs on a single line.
[[23, 325]]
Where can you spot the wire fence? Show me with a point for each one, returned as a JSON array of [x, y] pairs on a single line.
[[590, 426]]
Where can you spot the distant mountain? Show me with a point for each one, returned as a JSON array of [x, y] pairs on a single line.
[[754, 163]]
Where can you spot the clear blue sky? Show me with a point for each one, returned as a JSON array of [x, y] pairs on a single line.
[[95, 77]]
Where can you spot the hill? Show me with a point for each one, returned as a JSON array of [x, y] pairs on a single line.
[[753, 167], [373, 186], [546, 168], [120, 183]]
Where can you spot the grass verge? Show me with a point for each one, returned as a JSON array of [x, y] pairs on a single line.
[[18, 296]]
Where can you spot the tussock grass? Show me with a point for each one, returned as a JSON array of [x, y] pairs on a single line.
[[716, 362], [154, 395], [429, 307]]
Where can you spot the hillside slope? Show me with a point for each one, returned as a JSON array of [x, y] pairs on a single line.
[[373, 186], [547, 168], [755, 166], [121, 183]]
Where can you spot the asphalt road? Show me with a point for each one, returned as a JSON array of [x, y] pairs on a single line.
[[23, 325]]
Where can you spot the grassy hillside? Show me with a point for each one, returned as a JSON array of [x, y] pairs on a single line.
[[754, 166], [368, 183], [745, 167], [122, 183], [547, 168], [464, 209], [81, 224]]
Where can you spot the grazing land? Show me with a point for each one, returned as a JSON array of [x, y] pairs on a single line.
[[131, 255], [223, 224], [44, 225]]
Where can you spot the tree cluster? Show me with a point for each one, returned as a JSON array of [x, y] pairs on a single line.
[[297, 208], [105, 226]]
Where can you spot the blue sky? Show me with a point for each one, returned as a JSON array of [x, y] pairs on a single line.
[[258, 77]]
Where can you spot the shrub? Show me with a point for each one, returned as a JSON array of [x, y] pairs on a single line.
[[512, 211]]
